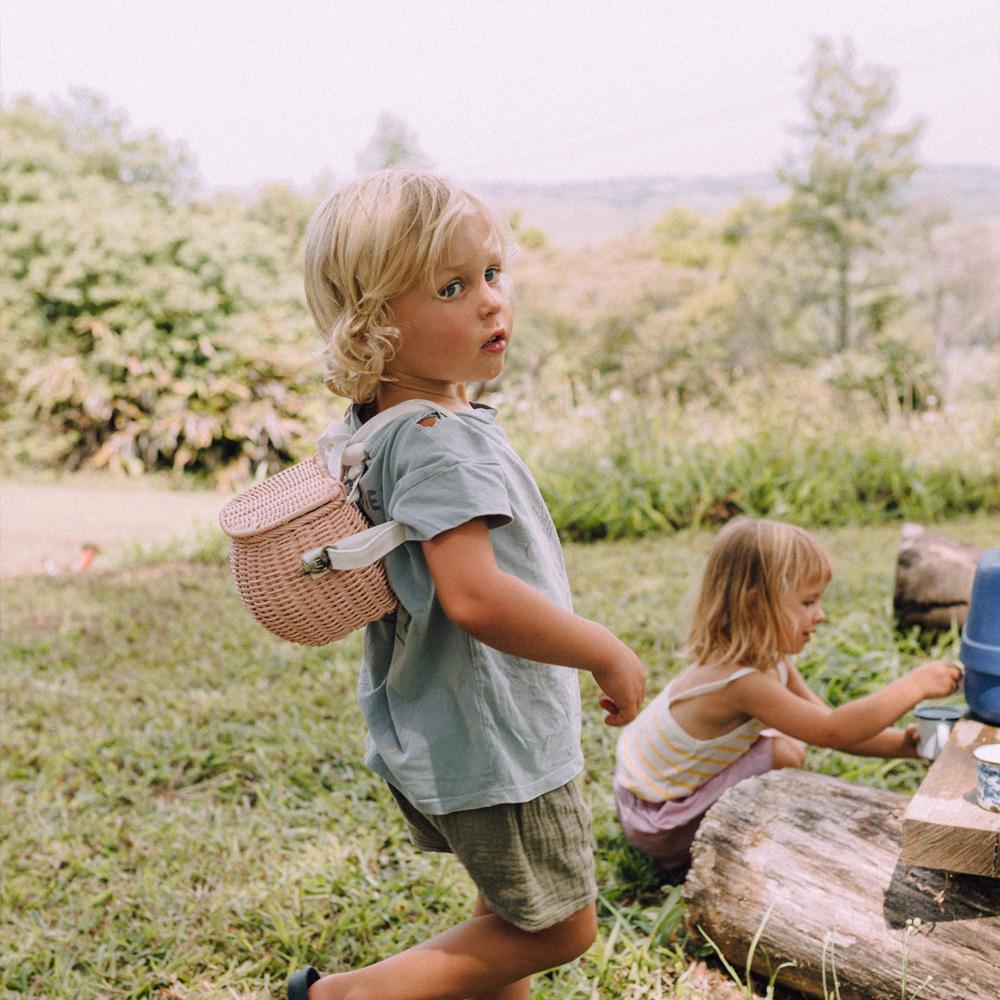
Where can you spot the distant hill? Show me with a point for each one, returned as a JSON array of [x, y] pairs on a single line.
[[576, 214]]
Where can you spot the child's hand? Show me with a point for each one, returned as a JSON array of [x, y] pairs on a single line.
[[623, 684], [939, 678], [910, 737]]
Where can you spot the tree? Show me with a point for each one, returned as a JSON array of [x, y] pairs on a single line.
[[740, 282], [394, 144], [846, 187]]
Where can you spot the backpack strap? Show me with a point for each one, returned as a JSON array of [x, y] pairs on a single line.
[[355, 551], [345, 456], [354, 455], [341, 449]]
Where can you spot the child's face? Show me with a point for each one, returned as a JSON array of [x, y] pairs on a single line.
[[458, 331], [804, 612]]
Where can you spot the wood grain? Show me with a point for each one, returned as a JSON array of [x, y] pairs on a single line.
[[943, 827], [824, 855]]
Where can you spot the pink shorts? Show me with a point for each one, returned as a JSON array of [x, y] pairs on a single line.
[[664, 830]]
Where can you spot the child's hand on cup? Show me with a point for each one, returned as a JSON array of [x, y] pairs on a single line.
[[910, 741]]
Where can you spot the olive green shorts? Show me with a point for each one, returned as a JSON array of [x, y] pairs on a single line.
[[532, 862]]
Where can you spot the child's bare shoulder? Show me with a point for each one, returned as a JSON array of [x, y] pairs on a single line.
[[698, 674]]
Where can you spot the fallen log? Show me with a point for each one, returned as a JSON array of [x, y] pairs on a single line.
[[815, 860], [933, 578]]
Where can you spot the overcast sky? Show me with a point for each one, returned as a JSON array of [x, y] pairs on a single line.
[[517, 90]]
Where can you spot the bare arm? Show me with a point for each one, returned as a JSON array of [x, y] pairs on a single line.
[[852, 725], [891, 742], [504, 612]]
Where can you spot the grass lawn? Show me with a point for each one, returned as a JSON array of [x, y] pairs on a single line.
[[187, 814]]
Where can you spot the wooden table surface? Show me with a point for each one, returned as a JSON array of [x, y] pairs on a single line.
[[943, 826]]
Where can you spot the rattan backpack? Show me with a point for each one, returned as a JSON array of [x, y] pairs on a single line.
[[307, 563]]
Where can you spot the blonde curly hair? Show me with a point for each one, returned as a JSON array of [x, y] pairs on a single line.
[[369, 242], [739, 614]]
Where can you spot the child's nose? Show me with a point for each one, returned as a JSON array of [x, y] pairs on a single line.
[[491, 299]]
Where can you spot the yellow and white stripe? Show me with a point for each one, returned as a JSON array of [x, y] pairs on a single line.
[[659, 761]]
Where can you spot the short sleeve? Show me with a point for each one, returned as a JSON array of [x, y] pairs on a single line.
[[446, 475]]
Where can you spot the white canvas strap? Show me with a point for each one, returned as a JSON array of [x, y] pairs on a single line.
[[345, 456], [342, 450], [355, 551]]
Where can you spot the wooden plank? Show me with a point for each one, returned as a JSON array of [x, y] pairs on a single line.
[[943, 827]]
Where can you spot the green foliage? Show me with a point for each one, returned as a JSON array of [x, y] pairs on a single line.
[[640, 466], [190, 816], [741, 306], [525, 237], [894, 375], [147, 330], [685, 238], [847, 187]]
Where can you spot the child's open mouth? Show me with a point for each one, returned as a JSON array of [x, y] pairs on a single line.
[[496, 343]]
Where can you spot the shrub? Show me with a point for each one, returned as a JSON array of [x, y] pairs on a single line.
[[627, 468], [147, 330]]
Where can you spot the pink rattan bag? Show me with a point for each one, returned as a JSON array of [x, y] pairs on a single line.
[[307, 563]]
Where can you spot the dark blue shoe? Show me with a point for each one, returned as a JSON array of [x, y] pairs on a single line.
[[299, 983]]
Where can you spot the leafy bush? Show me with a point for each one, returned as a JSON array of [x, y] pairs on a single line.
[[893, 374], [148, 330], [627, 468]]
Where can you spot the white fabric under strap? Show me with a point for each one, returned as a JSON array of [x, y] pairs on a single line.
[[342, 450], [718, 685], [343, 453], [711, 685]]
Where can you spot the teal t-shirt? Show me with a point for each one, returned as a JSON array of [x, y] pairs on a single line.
[[453, 723]]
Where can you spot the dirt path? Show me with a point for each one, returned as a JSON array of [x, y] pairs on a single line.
[[47, 528]]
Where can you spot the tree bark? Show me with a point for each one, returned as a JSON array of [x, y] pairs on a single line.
[[843, 305], [933, 579], [817, 858]]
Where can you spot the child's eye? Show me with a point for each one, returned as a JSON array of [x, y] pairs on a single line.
[[450, 290], [492, 273]]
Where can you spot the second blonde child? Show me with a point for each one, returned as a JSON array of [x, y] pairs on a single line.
[[742, 708]]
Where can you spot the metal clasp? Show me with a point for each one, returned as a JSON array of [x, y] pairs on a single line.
[[315, 562]]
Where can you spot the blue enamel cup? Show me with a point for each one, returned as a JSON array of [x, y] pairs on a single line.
[[980, 650]]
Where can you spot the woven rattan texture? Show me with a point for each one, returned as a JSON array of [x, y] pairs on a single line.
[[267, 563], [292, 492]]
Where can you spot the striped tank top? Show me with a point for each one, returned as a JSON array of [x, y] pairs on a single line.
[[659, 761]]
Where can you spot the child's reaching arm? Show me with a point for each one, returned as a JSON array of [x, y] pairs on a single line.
[[506, 613], [890, 742], [852, 725]]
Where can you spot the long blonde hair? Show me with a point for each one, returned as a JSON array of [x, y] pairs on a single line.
[[739, 616], [372, 240]]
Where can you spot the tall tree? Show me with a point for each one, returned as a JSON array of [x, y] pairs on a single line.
[[846, 187], [394, 144]]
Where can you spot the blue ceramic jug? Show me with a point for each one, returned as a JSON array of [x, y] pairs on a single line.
[[980, 650]]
